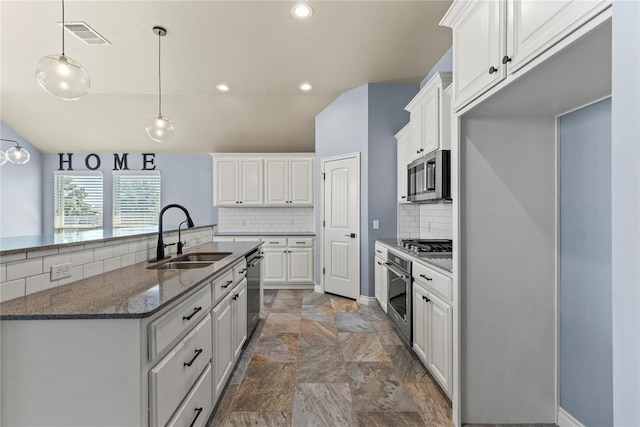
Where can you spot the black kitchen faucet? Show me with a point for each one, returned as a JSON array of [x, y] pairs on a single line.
[[161, 245]]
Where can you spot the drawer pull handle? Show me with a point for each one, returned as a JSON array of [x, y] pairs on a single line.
[[378, 251], [243, 270], [426, 299], [195, 310], [379, 263], [198, 351], [198, 412], [426, 278], [227, 285], [274, 243], [301, 243]]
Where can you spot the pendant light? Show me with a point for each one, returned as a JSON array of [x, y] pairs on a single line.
[[61, 76], [160, 128], [17, 155]]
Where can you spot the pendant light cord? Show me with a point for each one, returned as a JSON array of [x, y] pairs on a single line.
[[159, 78], [62, 27]]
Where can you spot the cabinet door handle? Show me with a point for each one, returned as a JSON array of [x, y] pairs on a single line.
[[235, 297], [417, 151], [506, 59], [493, 70], [195, 310], [403, 197], [429, 279], [198, 412], [426, 299], [378, 251], [189, 363], [379, 263]]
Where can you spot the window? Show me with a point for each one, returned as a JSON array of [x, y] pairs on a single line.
[[77, 201], [136, 200]]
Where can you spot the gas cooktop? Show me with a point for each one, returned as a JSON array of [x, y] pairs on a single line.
[[427, 247]]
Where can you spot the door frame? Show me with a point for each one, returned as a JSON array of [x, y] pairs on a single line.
[[323, 161]]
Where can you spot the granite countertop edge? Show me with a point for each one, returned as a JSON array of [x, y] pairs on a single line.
[[392, 243], [47, 246], [264, 233], [245, 248]]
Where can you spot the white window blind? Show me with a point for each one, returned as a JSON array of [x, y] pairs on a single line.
[[77, 200], [136, 199]]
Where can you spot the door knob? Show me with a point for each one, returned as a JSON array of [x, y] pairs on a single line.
[[352, 235]]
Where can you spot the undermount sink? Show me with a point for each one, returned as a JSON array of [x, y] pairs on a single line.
[[204, 256], [180, 265]]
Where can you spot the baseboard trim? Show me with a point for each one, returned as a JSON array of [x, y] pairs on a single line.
[[317, 289], [565, 419], [288, 286], [364, 300]]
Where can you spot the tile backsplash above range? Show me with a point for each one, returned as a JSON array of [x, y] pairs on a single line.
[[425, 221]]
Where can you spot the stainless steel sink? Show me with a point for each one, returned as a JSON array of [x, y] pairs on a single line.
[[180, 265], [204, 256]]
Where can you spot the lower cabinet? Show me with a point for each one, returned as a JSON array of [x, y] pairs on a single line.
[[287, 261], [381, 282], [229, 333], [433, 334]]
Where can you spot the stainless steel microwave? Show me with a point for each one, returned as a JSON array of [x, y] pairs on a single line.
[[429, 178]]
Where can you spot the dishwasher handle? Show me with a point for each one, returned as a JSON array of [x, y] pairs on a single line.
[[254, 261]]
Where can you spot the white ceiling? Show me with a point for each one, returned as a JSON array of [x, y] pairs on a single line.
[[256, 47]]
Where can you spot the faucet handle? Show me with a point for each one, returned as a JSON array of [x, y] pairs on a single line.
[[169, 244]]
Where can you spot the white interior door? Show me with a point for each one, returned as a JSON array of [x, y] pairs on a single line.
[[341, 237]]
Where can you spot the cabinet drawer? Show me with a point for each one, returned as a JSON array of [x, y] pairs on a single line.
[[275, 242], [222, 285], [196, 407], [167, 328], [300, 242], [240, 271], [172, 378], [381, 252], [433, 281]]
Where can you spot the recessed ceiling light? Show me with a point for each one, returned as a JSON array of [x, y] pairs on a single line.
[[302, 11], [305, 87], [222, 87]]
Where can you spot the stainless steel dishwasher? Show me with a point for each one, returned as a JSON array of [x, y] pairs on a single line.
[[254, 287]]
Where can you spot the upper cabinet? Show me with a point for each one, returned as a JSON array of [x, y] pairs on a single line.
[[495, 38], [430, 116], [263, 181], [289, 181], [404, 146], [238, 181]]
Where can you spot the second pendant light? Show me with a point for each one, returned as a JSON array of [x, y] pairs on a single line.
[[160, 128]]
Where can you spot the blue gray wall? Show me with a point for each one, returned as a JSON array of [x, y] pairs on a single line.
[[625, 158], [444, 64], [365, 120], [20, 190], [186, 180], [585, 360]]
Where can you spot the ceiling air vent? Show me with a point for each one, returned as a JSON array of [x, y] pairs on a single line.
[[85, 33]]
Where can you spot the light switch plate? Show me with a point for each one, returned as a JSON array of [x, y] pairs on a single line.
[[376, 224]]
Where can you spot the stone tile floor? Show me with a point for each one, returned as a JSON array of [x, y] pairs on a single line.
[[322, 360]]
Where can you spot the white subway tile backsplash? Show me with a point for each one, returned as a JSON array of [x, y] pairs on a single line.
[[13, 257], [49, 261], [290, 219], [112, 264], [38, 283], [93, 245], [20, 269], [119, 250], [142, 256], [43, 253], [67, 249], [93, 269], [436, 221], [102, 253], [76, 274], [3, 273], [12, 289], [82, 257], [128, 260]]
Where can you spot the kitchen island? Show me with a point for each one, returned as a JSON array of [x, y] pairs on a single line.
[[133, 346]]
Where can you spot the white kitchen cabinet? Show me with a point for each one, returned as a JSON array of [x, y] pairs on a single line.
[[381, 277], [430, 118], [239, 181], [289, 181], [223, 344], [404, 146], [494, 38], [287, 261], [433, 332], [239, 317]]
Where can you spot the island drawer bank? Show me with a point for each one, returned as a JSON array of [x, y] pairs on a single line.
[[132, 347]]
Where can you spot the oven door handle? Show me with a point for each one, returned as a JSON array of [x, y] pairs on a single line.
[[397, 271]]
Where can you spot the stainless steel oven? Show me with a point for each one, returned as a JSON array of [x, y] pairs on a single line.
[[399, 297], [429, 177]]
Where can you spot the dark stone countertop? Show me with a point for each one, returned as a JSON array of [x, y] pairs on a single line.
[[126, 293], [444, 263], [264, 233]]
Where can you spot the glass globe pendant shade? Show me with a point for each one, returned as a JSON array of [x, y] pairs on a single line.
[[18, 155], [3, 158], [160, 128], [62, 77]]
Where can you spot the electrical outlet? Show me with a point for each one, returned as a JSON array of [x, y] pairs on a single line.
[[60, 271]]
